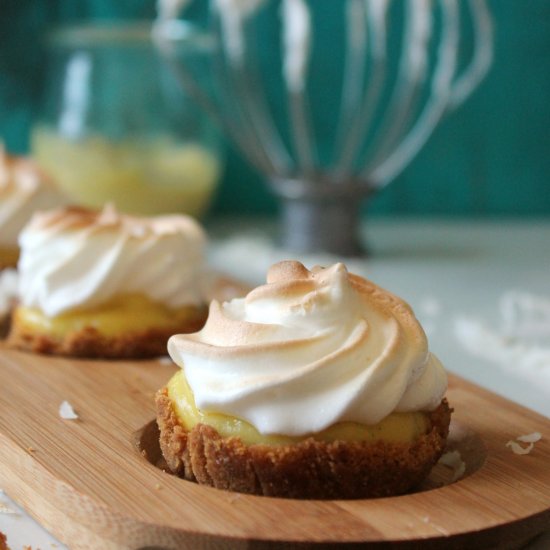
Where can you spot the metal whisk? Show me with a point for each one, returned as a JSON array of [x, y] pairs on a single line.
[[402, 69]]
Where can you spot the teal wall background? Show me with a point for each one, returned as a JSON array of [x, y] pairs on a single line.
[[491, 157]]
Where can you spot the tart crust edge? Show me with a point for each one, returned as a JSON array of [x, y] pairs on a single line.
[[308, 469], [90, 343]]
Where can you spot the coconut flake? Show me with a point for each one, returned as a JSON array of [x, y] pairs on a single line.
[[66, 411], [518, 449], [531, 439], [519, 342], [5, 509], [452, 459]]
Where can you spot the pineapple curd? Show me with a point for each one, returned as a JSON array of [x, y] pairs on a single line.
[[395, 428], [121, 315]]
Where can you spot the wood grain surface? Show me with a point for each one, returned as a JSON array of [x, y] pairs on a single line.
[[88, 484]]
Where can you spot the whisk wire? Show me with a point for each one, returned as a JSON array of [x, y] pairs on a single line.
[[357, 131], [297, 31], [482, 54], [435, 106], [251, 92], [410, 79], [354, 70], [233, 92]]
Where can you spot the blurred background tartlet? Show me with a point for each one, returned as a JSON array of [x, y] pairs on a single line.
[[105, 284]]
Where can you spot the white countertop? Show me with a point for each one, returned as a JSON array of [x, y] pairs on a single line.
[[457, 276]]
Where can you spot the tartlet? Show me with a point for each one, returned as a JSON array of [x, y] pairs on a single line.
[[316, 385], [107, 285], [24, 189]]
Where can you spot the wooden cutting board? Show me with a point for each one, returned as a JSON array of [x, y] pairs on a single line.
[[87, 482]]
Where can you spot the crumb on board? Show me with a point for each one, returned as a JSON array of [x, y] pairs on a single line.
[[453, 460], [530, 439], [234, 497], [5, 509], [66, 411]]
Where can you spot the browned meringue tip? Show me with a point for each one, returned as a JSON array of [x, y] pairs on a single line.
[[75, 218], [287, 269], [18, 166], [290, 278], [294, 270]]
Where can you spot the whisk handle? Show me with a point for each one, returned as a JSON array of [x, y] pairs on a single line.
[[321, 216]]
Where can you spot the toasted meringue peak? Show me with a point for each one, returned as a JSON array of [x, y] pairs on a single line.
[[310, 349], [24, 189], [77, 258], [287, 270], [78, 218]]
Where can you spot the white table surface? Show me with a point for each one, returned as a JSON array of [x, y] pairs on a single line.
[[446, 270]]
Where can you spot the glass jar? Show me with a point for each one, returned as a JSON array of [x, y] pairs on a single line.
[[115, 127]]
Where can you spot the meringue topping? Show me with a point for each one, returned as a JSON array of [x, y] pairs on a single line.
[[23, 190], [77, 258], [310, 349]]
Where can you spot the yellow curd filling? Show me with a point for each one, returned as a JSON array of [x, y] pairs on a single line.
[[123, 314], [140, 177], [9, 256], [397, 427]]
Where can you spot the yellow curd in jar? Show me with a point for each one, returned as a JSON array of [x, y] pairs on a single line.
[[142, 177]]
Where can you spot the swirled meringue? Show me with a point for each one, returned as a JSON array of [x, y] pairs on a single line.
[[23, 190], [308, 350], [77, 258]]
